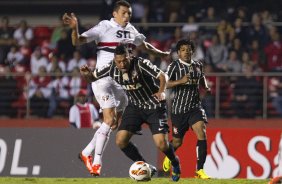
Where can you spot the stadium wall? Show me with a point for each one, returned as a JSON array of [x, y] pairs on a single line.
[[53, 152], [48, 148], [235, 153]]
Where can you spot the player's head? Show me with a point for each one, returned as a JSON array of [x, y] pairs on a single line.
[[121, 58], [185, 49], [122, 12]]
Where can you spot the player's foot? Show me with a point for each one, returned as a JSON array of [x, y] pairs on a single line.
[[87, 160], [201, 174], [96, 169], [166, 164], [153, 170], [176, 171]]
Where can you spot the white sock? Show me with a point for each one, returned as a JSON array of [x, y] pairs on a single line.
[[103, 134], [90, 147]]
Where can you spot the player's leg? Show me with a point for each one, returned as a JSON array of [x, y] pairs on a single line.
[[131, 123], [128, 148], [103, 134], [199, 128], [112, 100], [176, 143], [157, 120], [166, 147], [179, 128], [104, 95]]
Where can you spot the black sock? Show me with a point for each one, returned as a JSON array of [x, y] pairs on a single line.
[[202, 153], [171, 155], [132, 152]]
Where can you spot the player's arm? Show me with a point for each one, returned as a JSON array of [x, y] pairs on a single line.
[[204, 84], [71, 20], [203, 81], [150, 49], [173, 83], [87, 74], [163, 78], [91, 76]]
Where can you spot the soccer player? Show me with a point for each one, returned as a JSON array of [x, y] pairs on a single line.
[[145, 86], [82, 114], [110, 96], [185, 77]]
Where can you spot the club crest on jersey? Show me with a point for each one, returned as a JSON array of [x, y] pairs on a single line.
[[105, 98], [125, 76]]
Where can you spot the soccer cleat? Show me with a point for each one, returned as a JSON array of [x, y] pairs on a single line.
[[176, 171], [153, 170], [87, 160], [166, 164], [201, 174], [96, 169]]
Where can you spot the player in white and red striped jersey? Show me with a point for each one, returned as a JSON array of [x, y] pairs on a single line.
[[82, 114], [110, 95]]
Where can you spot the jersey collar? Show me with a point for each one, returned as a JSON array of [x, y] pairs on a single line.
[[185, 63], [116, 24]]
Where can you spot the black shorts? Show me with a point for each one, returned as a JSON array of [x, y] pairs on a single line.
[[133, 118], [182, 122]]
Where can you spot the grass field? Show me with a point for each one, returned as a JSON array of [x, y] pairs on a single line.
[[14, 180]]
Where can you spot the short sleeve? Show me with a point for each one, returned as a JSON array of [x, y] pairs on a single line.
[[147, 67], [95, 32], [171, 71], [139, 39]]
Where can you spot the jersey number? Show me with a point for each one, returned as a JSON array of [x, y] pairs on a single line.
[[123, 34]]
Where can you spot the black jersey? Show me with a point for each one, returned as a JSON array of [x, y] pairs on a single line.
[[140, 83], [186, 96]]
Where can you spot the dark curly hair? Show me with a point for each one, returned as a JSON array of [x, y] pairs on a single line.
[[185, 42]]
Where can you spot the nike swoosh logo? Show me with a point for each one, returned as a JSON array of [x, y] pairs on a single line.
[[160, 129]]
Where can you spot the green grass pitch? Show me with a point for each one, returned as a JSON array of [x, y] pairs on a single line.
[[34, 180]]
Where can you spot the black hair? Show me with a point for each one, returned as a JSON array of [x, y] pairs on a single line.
[[121, 3], [121, 49], [185, 42]]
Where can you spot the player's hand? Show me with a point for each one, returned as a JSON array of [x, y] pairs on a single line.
[[160, 96], [208, 90], [85, 71], [70, 20], [184, 79]]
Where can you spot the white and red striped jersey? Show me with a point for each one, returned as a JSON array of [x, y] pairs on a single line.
[[83, 115], [107, 35]]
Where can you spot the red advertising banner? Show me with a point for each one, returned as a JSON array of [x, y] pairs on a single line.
[[235, 153]]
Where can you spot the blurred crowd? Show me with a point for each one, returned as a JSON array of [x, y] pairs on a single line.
[[239, 40]]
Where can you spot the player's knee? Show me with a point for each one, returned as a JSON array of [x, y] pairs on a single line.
[[201, 136], [110, 120], [162, 145], [120, 142], [177, 143], [114, 126]]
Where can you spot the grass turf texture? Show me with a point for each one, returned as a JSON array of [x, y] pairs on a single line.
[[20, 180]]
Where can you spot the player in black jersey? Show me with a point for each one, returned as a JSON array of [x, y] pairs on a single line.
[[185, 78], [145, 85]]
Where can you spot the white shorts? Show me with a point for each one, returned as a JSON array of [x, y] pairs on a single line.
[[109, 94]]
